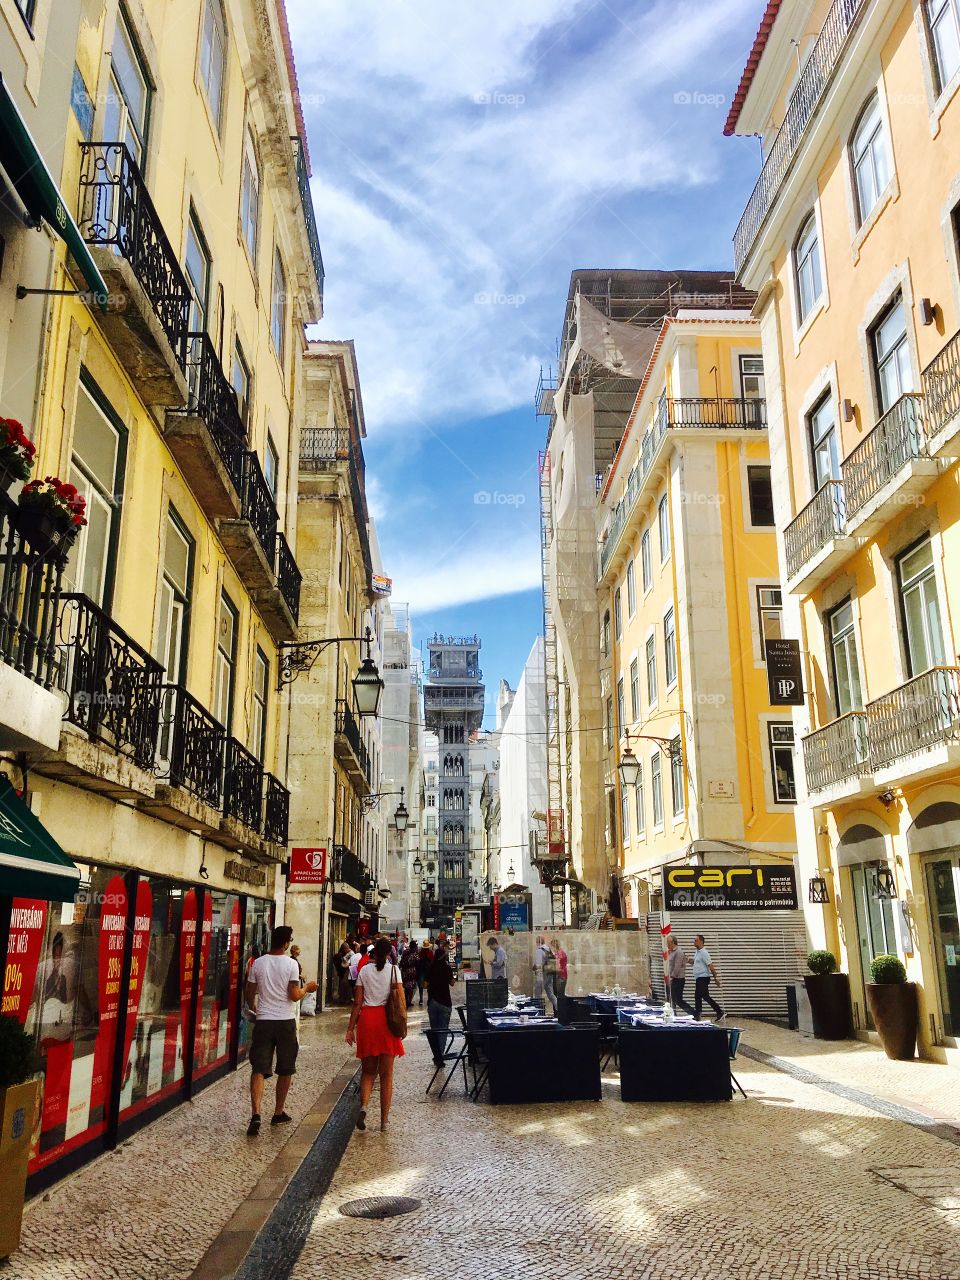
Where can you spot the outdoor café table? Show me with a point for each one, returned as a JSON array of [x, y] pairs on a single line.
[[543, 1062], [681, 1061]]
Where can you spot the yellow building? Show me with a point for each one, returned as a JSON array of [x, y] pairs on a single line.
[[174, 411], [850, 238], [689, 593]]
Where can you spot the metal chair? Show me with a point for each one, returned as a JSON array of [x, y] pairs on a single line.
[[733, 1042], [456, 1057]]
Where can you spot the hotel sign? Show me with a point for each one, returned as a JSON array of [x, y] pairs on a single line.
[[784, 673], [770, 888]]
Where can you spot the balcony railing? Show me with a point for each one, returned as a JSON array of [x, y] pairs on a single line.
[[214, 400], [820, 521], [923, 713], [838, 752], [346, 724], [306, 200], [113, 685], [814, 80], [941, 386], [289, 577], [259, 507], [195, 746], [276, 811], [896, 439], [29, 600], [116, 211], [698, 411], [242, 785], [348, 869], [323, 447]]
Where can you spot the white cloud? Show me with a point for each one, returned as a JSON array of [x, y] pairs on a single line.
[[470, 574]]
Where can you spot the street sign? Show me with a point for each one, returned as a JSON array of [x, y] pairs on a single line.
[[514, 913], [307, 866], [784, 673], [768, 887]]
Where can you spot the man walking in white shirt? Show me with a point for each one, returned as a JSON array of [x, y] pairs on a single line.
[[703, 970]]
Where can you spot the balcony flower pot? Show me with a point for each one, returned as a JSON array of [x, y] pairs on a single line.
[[893, 1007], [16, 453], [50, 515], [19, 1098]]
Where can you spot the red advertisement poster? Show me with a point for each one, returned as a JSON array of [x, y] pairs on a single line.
[[188, 950], [307, 866], [113, 922], [27, 920], [205, 938], [138, 962], [235, 943]]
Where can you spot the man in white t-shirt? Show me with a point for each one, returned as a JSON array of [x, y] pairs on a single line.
[[273, 991]]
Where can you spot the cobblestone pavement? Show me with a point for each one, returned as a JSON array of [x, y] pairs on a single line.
[[792, 1184], [149, 1210]]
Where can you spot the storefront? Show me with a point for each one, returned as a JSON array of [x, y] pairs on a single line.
[[933, 842]]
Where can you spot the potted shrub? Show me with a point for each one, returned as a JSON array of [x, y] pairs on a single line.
[[829, 995], [16, 453], [18, 1112], [51, 514], [893, 1007]]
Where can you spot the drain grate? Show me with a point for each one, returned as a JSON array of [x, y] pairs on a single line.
[[379, 1207]]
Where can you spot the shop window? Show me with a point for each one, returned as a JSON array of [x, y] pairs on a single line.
[[943, 23], [869, 158], [845, 665], [807, 269], [258, 922], [219, 980], [770, 616], [920, 609], [760, 491], [782, 765]]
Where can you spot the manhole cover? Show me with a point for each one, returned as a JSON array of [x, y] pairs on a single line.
[[379, 1207]]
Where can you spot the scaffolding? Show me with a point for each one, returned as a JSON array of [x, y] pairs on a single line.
[[550, 862]]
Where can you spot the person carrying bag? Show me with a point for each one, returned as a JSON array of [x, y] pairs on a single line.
[[378, 1023]]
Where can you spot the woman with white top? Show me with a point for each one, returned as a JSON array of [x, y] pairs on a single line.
[[377, 1046]]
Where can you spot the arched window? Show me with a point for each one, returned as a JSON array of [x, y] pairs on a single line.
[[869, 157], [807, 268]]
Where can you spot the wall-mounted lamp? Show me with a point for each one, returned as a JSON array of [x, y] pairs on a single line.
[[887, 797], [928, 311], [849, 410], [817, 890], [885, 886]]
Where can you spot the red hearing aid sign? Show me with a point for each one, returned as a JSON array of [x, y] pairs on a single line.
[[308, 866]]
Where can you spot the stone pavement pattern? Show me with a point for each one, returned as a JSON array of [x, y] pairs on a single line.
[[782, 1186], [150, 1209]]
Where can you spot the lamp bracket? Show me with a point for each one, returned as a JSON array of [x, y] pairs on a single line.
[[298, 656]]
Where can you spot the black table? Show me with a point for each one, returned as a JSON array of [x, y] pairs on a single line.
[[543, 1064], [674, 1064]]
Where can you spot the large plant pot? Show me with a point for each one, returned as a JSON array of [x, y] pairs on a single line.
[[43, 533], [830, 1004], [18, 1112], [893, 1007]]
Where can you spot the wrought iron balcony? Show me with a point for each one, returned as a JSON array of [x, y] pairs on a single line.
[[704, 411], [306, 201], [116, 212], [347, 869], [214, 400], [30, 579], [923, 713], [113, 685], [259, 507], [837, 753], [820, 521], [322, 448], [276, 811], [191, 746], [242, 785], [289, 577], [941, 387], [896, 440], [348, 731], [815, 78]]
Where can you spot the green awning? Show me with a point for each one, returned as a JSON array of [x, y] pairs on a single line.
[[33, 183], [32, 864]]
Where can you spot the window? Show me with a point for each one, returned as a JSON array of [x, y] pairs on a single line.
[[278, 306], [198, 275], [651, 671], [96, 469], [635, 690], [751, 378], [226, 662], [26, 8], [240, 381], [258, 723], [843, 659], [271, 466], [656, 789], [807, 268], [761, 495], [670, 647], [605, 635], [631, 590], [676, 777], [250, 199], [920, 606], [617, 615], [127, 107], [646, 559], [638, 803], [213, 44], [824, 456], [173, 614], [625, 815], [663, 413], [621, 705], [770, 616], [781, 762], [891, 355], [609, 723], [943, 20], [663, 520], [868, 154]]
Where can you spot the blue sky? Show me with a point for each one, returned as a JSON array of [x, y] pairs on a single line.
[[465, 159]]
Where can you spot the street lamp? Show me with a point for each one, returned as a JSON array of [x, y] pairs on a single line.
[[510, 872], [368, 687], [629, 768], [299, 657], [401, 817], [417, 866]]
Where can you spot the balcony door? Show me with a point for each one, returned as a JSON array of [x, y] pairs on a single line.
[[847, 691], [96, 467], [920, 608], [126, 114], [752, 388], [226, 662], [824, 451], [197, 264], [891, 356], [172, 619], [876, 934], [943, 894]]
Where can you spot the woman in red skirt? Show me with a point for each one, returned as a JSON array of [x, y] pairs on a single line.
[[377, 1046]]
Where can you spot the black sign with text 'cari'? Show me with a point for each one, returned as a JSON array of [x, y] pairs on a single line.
[[784, 673], [768, 887]]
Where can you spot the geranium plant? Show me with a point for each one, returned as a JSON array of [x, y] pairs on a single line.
[[16, 451], [57, 499]]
